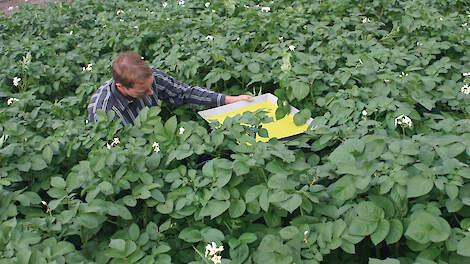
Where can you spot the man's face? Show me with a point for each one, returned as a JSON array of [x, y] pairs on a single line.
[[139, 90]]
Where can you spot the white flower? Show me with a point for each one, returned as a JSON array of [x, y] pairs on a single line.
[[108, 146], [386, 80], [465, 74], [136, 27], [207, 4], [16, 80], [86, 122], [212, 249], [89, 67], [419, 44], [364, 112], [442, 19], [181, 2], [403, 121], [246, 6], [306, 233], [165, 4], [265, 9], [404, 74], [216, 259], [71, 32], [238, 38], [465, 89], [365, 20], [181, 130], [464, 24], [10, 8], [281, 38], [44, 203], [156, 147], [209, 37], [12, 100], [115, 141], [292, 47], [119, 12]]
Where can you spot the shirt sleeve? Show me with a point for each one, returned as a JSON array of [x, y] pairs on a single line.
[[173, 91]]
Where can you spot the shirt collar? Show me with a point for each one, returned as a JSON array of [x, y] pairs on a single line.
[[122, 101]]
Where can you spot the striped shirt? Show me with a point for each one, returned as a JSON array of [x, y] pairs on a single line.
[[164, 87]]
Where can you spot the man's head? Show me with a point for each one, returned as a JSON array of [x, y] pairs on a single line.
[[133, 75]]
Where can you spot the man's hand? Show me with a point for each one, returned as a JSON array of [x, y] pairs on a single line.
[[232, 99]]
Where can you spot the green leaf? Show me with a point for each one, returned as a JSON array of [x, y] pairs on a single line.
[[425, 227], [292, 203], [419, 186], [300, 89], [395, 233], [24, 166], [248, 238], [240, 253], [106, 188], [129, 200], [362, 227], [463, 247], [190, 235], [118, 244], [348, 247], [254, 192], [214, 208], [98, 162], [253, 67], [381, 232], [47, 154], [37, 163], [344, 188], [385, 261], [58, 182], [170, 125], [264, 200], [165, 208], [211, 234], [119, 210], [289, 232], [23, 255], [134, 231], [63, 248], [90, 220], [279, 181], [28, 198], [302, 116], [237, 208], [374, 149]]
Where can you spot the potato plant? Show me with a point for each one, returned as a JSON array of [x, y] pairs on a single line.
[[381, 177]]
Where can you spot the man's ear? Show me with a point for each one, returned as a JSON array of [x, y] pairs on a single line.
[[120, 86]]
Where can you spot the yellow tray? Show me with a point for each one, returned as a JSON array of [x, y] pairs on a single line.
[[280, 129]]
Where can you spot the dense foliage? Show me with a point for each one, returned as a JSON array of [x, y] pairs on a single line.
[[360, 187]]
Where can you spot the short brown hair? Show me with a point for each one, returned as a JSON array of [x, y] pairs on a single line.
[[129, 68]]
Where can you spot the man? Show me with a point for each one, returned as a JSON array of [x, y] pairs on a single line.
[[135, 85]]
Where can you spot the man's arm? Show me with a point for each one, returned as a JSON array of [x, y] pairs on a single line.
[[173, 91]]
